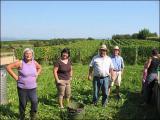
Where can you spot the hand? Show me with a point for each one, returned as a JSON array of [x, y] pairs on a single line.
[[16, 78], [70, 78], [60, 82], [89, 77], [145, 70], [143, 81], [36, 75], [110, 78]]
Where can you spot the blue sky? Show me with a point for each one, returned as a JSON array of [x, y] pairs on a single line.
[[72, 19]]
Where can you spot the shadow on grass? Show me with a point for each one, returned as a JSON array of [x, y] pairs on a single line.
[[85, 96], [5, 110], [51, 100], [133, 109]]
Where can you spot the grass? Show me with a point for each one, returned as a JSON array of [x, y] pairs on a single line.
[[126, 108]]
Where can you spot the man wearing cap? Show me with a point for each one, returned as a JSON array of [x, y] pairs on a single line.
[[118, 64], [101, 66]]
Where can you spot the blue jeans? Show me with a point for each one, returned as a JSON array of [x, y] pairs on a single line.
[[25, 95], [100, 83]]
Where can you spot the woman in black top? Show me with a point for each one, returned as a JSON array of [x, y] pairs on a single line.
[[63, 75], [152, 74]]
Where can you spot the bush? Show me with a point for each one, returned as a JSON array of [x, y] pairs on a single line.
[[154, 38], [129, 55], [144, 53]]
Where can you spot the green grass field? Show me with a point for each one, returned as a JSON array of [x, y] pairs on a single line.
[[129, 107]]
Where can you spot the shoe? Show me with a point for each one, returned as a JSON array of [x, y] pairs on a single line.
[[61, 107], [33, 115], [104, 105], [22, 116]]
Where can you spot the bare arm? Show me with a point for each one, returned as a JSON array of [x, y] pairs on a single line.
[[38, 67], [55, 74], [90, 73], [148, 63], [111, 73], [10, 68], [71, 73]]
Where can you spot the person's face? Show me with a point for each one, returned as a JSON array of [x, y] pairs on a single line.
[[116, 52], [65, 55], [28, 55], [102, 52]]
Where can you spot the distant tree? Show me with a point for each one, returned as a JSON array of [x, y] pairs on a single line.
[[122, 36], [10, 46], [21, 46], [135, 35], [127, 36], [36, 44], [116, 36], [144, 33], [153, 34], [90, 38]]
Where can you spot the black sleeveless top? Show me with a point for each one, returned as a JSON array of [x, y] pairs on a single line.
[[154, 65]]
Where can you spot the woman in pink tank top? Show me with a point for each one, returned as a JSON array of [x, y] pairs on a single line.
[[28, 71]]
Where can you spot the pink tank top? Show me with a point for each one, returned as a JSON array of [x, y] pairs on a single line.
[[27, 75]]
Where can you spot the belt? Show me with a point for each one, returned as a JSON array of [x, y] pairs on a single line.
[[117, 70], [100, 77]]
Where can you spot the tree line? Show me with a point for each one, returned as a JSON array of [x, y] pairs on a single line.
[[143, 34]]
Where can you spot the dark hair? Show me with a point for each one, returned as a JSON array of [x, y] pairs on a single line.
[[154, 52], [65, 50]]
